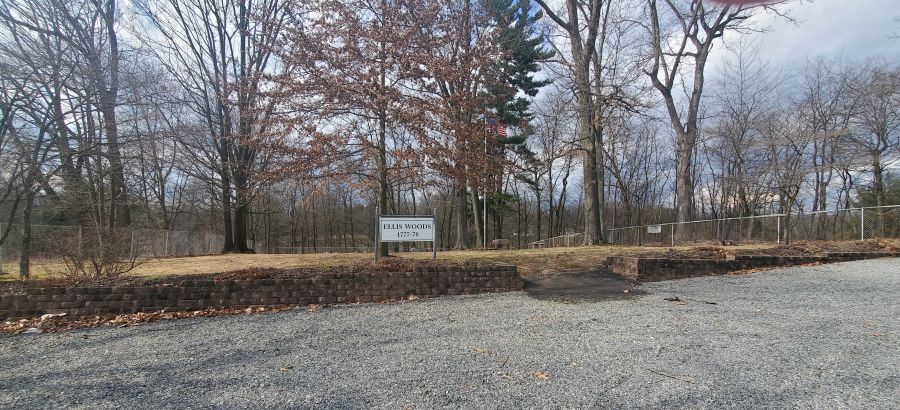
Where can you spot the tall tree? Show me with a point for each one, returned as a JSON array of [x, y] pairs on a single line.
[[481, 55], [89, 29], [678, 56], [877, 119], [358, 60], [582, 25], [222, 53], [522, 48]]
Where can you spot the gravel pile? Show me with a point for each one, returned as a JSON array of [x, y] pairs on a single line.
[[809, 337]]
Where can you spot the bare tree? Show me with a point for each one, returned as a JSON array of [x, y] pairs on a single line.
[[877, 119], [582, 25], [744, 100], [684, 45], [221, 53], [88, 29]]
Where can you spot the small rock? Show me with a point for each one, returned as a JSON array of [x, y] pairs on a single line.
[[32, 331], [47, 316]]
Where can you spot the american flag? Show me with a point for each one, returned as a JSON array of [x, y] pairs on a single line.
[[497, 126]]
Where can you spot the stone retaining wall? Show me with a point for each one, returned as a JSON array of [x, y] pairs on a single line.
[[200, 294], [657, 269]]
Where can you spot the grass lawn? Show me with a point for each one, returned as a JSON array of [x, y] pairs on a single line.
[[527, 260]]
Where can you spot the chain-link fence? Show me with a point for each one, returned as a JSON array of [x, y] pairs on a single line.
[[50, 242], [844, 224], [319, 249], [571, 239]]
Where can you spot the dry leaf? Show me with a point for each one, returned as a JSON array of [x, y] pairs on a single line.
[[412, 298], [540, 375], [124, 320]]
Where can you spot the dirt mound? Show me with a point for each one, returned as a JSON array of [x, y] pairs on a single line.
[[820, 248], [795, 249], [700, 252], [868, 245]]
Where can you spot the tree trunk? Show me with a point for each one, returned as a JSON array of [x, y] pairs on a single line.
[[476, 218], [241, 221], [589, 153], [591, 198], [684, 184], [589, 150], [878, 172], [382, 176], [119, 215], [601, 182], [25, 255], [226, 211], [537, 209], [462, 217]]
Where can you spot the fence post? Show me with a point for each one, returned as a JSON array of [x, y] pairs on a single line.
[[166, 245], [778, 229], [673, 234], [132, 243], [862, 224], [376, 243]]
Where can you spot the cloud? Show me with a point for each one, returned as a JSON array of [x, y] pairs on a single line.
[[855, 30]]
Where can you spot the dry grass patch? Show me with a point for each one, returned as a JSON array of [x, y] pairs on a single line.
[[528, 261]]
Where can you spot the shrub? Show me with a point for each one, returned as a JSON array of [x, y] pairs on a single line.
[[97, 253]]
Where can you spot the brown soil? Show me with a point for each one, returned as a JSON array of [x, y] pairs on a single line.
[[819, 248], [580, 287], [700, 252], [798, 248]]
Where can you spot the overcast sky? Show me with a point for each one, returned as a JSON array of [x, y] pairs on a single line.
[[852, 29]]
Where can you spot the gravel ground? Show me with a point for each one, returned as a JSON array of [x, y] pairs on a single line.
[[810, 337]]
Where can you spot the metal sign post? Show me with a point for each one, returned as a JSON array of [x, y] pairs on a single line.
[[376, 243], [434, 243]]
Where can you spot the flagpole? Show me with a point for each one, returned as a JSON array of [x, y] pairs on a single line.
[[483, 186]]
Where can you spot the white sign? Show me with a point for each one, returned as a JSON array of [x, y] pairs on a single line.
[[406, 228], [654, 228]]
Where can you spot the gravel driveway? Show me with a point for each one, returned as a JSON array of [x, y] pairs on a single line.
[[809, 337]]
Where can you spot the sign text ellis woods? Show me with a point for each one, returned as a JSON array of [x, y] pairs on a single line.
[[406, 228]]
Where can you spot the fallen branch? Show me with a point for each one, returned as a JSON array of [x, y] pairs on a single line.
[[702, 301], [691, 381]]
